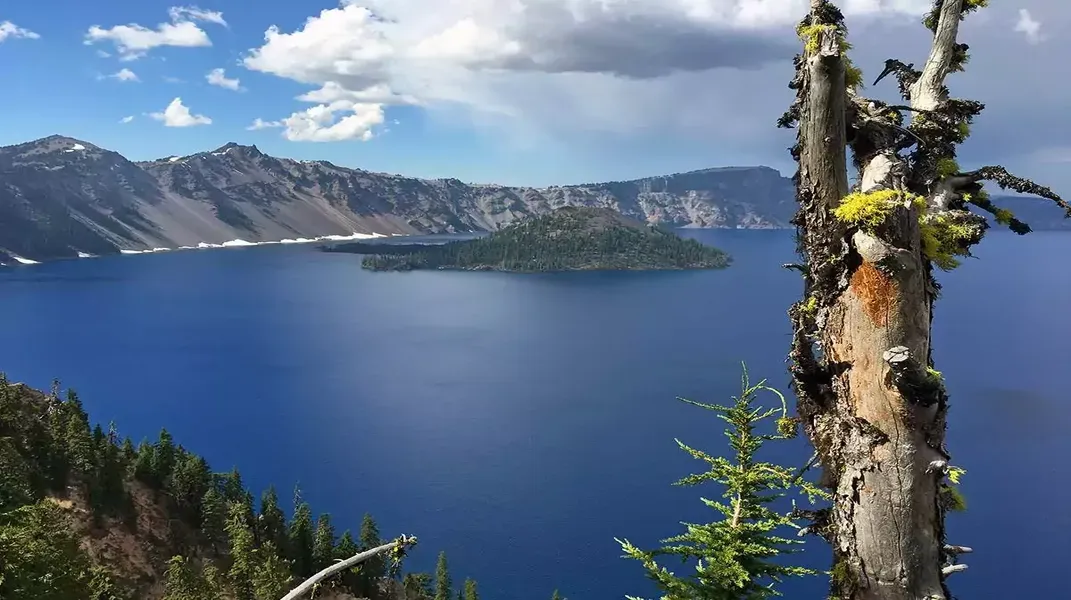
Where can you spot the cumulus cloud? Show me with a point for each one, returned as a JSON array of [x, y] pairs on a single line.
[[13, 31], [219, 78], [1027, 26], [122, 75], [322, 123], [133, 41], [711, 73], [259, 123], [126, 119], [178, 115], [567, 59]]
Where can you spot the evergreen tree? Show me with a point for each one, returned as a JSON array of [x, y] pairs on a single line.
[[418, 586], [80, 445], [374, 569], [271, 523], [190, 480], [243, 560], [163, 459], [128, 453], [213, 517], [16, 482], [110, 480], [739, 557], [300, 535], [143, 463], [557, 596], [350, 579], [471, 593], [40, 557], [323, 545], [443, 584], [182, 581], [271, 575]]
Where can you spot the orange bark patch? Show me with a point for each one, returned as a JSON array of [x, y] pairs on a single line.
[[876, 290]]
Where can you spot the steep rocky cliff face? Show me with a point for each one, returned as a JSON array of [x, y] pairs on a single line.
[[60, 197]]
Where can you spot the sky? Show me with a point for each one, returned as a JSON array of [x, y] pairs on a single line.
[[523, 92]]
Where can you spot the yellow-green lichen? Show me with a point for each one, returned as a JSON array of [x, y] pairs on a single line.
[[811, 35], [868, 210], [810, 306], [963, 129], [934, 375], [944, 238], [947, 167]]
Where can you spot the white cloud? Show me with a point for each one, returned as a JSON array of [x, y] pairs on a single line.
[[11, 30], [193, 13], [259, 123], [219, 78], [319, 123], [133, 41], [126, 119], [178, 115], [520, 59], [121, 75], [1027, 26]]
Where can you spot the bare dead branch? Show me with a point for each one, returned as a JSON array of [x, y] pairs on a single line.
[[958, 549], [929, 91], [950, 569], [402, 542]]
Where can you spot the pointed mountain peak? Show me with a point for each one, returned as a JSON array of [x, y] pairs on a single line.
[[236, 147]]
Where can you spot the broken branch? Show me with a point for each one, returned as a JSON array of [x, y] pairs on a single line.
[[1006, 180]]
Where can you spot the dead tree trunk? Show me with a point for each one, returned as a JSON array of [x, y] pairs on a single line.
[[867, 394]]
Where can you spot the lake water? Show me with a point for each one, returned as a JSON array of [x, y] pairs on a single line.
[[521, 422]]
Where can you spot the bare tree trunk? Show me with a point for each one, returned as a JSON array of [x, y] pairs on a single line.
[[861, 343]]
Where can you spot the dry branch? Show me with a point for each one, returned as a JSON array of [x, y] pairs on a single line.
[[400, 544]]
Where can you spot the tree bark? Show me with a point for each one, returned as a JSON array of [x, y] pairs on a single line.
[[862, 334]]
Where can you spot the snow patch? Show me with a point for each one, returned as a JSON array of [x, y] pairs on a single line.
[[85, 255], [24, 261], [75, 148], [237, 243], [174, 159]]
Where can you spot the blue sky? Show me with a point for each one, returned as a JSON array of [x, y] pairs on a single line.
[[564, 91]]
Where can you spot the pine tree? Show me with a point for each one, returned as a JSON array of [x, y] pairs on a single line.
[[271, 575], [189, 481], [129, 453], [350, 579], [374, 569], [144, 461], [443, 584], [163, 459], [80, 445], [299, 542], [243, 561], [213, 517], [741, 556], [417, 586], [471, 593], [271, 523], [40, 557], [323, 545], [182, 581]]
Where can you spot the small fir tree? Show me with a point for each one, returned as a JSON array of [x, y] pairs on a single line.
[[740, 556], [442, 579]]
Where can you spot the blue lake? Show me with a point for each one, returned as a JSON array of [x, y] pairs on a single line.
[[521, 422]]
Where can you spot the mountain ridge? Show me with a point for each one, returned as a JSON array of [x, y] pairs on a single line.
[[64, 197], [61, 197]]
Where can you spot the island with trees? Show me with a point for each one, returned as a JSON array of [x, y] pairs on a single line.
[[567, 239]]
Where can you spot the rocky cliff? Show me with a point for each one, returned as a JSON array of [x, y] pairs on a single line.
[[61, 197]]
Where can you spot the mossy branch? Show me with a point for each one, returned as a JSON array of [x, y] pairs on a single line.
[[1006, 180]]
